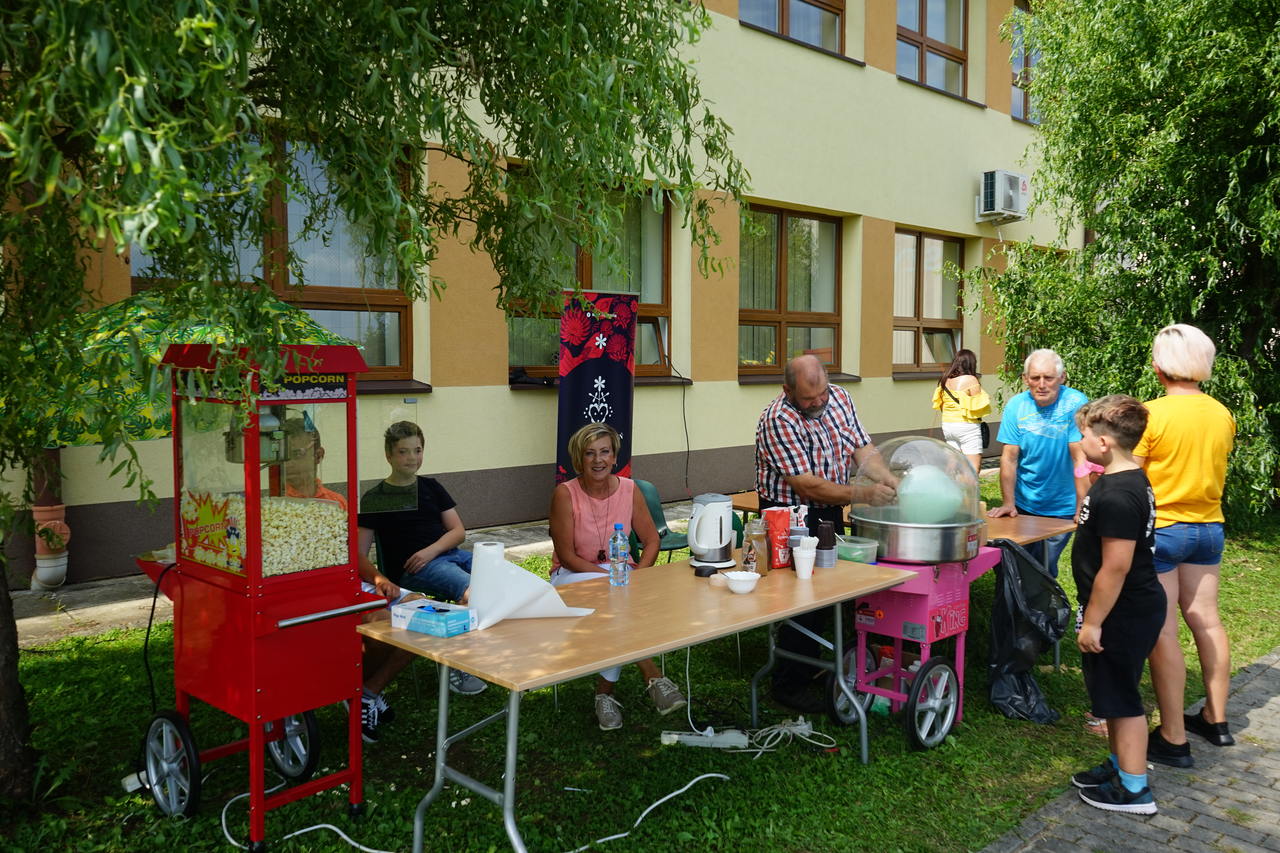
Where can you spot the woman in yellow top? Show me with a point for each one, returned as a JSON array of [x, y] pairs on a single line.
[[1184, 450], [960, 398]]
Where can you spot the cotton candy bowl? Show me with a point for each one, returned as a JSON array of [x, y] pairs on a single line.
[[741, 582]]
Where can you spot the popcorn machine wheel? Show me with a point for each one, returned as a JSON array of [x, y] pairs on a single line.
[[263, 579]]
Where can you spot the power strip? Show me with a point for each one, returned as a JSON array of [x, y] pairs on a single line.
[[133, 782], [727, 739]]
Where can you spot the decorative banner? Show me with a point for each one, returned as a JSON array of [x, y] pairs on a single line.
[[597, 372]]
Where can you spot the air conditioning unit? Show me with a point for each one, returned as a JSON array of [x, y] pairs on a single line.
[[1003, 198]]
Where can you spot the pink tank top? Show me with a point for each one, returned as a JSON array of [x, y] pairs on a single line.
[[593, 518]]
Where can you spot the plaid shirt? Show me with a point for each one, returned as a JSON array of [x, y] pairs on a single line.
[[788, 444]]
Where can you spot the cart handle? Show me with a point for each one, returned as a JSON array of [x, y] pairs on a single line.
[[329, 614]]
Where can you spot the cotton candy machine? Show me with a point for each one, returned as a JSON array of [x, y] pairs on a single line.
[[934, 516]]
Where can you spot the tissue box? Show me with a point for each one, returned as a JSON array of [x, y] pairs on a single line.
[[436, 618]]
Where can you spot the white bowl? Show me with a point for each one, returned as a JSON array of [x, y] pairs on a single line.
[[741, 582]]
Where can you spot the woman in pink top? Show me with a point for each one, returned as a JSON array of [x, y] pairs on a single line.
[[583, 512]]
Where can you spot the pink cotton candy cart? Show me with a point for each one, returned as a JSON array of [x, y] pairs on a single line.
[[929, 608]]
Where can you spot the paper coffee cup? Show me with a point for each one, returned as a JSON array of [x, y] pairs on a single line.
[[803, 559]]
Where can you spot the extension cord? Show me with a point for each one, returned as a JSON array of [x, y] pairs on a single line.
[[727, 739], [800, 727]]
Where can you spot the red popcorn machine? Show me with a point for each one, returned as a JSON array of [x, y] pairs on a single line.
[[263, 577]]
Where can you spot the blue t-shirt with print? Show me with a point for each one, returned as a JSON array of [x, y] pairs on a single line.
[[1046, 481]]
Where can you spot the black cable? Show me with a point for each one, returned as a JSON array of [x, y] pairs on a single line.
[[146, 640], [684, 417]]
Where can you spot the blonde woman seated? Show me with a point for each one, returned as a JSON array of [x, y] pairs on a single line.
[[962, 402], [583, 512]]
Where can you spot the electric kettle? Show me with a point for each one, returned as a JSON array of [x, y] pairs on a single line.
[[711, 534]]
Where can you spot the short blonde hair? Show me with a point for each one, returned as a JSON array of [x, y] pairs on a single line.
[[579, 441], [1183, 353]]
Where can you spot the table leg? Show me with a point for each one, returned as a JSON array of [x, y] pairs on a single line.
[[442, 749], [770, 660], [839, 676], [509, 778]]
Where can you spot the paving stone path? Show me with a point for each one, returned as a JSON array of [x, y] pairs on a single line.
[[1230, 800]]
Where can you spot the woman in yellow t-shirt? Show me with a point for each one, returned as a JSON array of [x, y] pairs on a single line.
[[962, 402], [1184, 451]]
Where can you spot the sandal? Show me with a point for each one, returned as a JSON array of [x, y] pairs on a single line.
[[1094, 725]]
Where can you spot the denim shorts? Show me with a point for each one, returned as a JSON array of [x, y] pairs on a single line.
[[1185, 542]]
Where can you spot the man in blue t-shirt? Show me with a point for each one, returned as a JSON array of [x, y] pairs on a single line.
[[1042, 452]]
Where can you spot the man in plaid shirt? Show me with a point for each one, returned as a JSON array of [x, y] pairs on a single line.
[[809, 445]]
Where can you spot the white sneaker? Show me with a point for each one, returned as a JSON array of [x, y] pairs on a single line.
[[665, 695], [608, 712], [465, 683]]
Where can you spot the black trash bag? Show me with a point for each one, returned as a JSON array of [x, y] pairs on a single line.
[[1028, 616]]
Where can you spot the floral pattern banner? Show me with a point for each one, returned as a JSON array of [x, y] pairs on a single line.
[[597, 371]]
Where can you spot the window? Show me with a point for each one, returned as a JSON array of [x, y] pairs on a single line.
[[1023, 61], [819, 22], [788, 290], [931, 43], [344, 291], [533, 343], [927, 323]]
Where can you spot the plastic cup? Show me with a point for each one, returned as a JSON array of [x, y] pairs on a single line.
[[803, 558]]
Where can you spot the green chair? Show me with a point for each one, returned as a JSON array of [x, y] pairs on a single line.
[[668, 540]]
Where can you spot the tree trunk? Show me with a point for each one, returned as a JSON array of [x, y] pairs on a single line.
[[17, 757]]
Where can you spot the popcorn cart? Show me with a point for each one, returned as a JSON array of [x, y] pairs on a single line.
[[263, 577]]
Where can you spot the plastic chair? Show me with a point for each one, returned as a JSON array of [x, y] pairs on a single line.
[[668, 540]]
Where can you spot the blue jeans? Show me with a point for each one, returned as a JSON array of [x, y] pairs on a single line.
[[447, 577], [1048, 551]]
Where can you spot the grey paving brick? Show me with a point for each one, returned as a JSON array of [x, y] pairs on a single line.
[[1227, 827]]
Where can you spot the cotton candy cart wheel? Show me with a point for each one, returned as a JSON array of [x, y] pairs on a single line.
[[297, 752], [932, 702], [172, 764], [839, 706]]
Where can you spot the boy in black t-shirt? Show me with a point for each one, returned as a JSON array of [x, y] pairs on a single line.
[[1122, 600]]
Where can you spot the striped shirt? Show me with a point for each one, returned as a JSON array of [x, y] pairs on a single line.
[[789, 444]]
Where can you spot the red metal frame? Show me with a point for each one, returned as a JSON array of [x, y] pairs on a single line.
[[229, 650]]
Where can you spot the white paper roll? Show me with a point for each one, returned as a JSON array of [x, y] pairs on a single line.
[[486, 554]]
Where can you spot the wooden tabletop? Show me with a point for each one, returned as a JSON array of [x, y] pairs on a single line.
[[664, 608], [1025, 529], [748, 502]]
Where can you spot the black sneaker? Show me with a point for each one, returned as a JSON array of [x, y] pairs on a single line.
[[1095, 776], [1161, 751], [1216, 733], [369, 718], [1114, 797]]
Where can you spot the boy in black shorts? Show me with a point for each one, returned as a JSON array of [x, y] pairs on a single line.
[[1122, 600]]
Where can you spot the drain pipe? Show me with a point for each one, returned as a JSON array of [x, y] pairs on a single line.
[[50, 516]]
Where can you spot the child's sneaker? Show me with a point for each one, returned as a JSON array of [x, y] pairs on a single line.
[[1095, 776], [1161, 751], [665, 695], [1114, 797]]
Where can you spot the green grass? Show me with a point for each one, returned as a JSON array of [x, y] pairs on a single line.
[[89, 704]]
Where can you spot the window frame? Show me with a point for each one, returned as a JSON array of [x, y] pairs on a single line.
[[647, 313], [925, 45], [782, 319], [275, 274], [919, 324], [1020, 90], [835, 7]]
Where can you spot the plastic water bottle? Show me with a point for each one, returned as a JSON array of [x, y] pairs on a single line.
[[619, 552]]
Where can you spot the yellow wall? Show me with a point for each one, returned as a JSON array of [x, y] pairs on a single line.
[[714, 306]]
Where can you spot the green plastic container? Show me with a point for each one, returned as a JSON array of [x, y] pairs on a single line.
[[856, 549]]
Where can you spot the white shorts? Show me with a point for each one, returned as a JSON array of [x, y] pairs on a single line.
[[967, 438]]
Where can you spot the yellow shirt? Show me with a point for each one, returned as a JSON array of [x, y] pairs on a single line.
[[967, 408], [1186, 445]]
